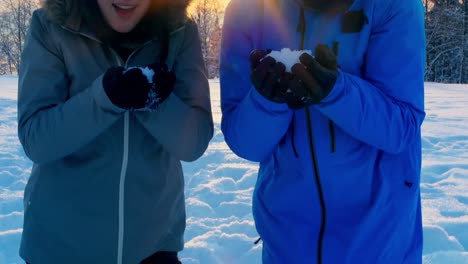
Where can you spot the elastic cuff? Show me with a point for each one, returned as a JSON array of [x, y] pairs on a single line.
[[336, 90]]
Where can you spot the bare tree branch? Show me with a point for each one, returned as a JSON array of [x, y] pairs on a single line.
[[207, 14], [15, 17]]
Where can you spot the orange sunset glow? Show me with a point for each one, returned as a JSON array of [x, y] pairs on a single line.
[[223, 3]]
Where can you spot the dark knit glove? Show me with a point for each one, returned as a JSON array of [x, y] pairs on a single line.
[[268, 76], [127, 89], [162, 85], [314, 78], [143, 88]]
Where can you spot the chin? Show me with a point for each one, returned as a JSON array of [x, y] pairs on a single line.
[[123, 28]]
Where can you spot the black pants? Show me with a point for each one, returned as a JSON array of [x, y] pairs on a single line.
[[161, 257]]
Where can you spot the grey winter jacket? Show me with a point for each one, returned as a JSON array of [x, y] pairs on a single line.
[[106, 184]]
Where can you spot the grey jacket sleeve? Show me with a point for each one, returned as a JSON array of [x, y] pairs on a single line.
[[183, 124], [51, 125]]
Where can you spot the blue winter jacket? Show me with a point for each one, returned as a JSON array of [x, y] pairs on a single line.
[[339, 181]]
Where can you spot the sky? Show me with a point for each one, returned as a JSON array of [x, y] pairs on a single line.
[[219, 186]]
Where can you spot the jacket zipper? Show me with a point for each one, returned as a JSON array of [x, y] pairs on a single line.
[[318, 184], [123, 172], [331, 126], [330, 122], [302, 27]]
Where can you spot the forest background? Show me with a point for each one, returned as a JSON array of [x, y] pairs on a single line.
[[446, 33]]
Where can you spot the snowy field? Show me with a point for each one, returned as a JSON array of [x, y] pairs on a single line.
[[220, 228]]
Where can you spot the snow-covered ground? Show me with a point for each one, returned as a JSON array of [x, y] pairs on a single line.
[[220, 228]]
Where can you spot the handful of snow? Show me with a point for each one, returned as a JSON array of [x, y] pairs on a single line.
[[153, 100], [146, 71], [288, 57]]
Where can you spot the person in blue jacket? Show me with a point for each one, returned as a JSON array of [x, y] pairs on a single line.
[[339, 137]]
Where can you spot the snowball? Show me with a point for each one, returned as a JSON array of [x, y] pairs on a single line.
[[148, 72], [288, 57]]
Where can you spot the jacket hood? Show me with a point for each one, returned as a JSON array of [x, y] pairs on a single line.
[[70, 13]]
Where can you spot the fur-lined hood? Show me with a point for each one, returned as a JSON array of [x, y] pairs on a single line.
[[70, 12]]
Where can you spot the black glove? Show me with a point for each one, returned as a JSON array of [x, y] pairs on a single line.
[[130, 89], [127, 89], [268, 76], [163, 85], [314, 78]]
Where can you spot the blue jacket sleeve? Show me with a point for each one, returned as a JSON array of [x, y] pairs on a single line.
[[252, 125], [385, 108]]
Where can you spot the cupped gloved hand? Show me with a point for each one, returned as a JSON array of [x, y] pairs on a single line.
[[314, 78], [163, 85], [269, 76], [127, 89], [139, 87]]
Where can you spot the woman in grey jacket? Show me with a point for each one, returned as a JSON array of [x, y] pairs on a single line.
[[113, 95]]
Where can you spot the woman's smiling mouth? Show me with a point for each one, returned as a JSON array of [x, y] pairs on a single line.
[[124, 10]]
